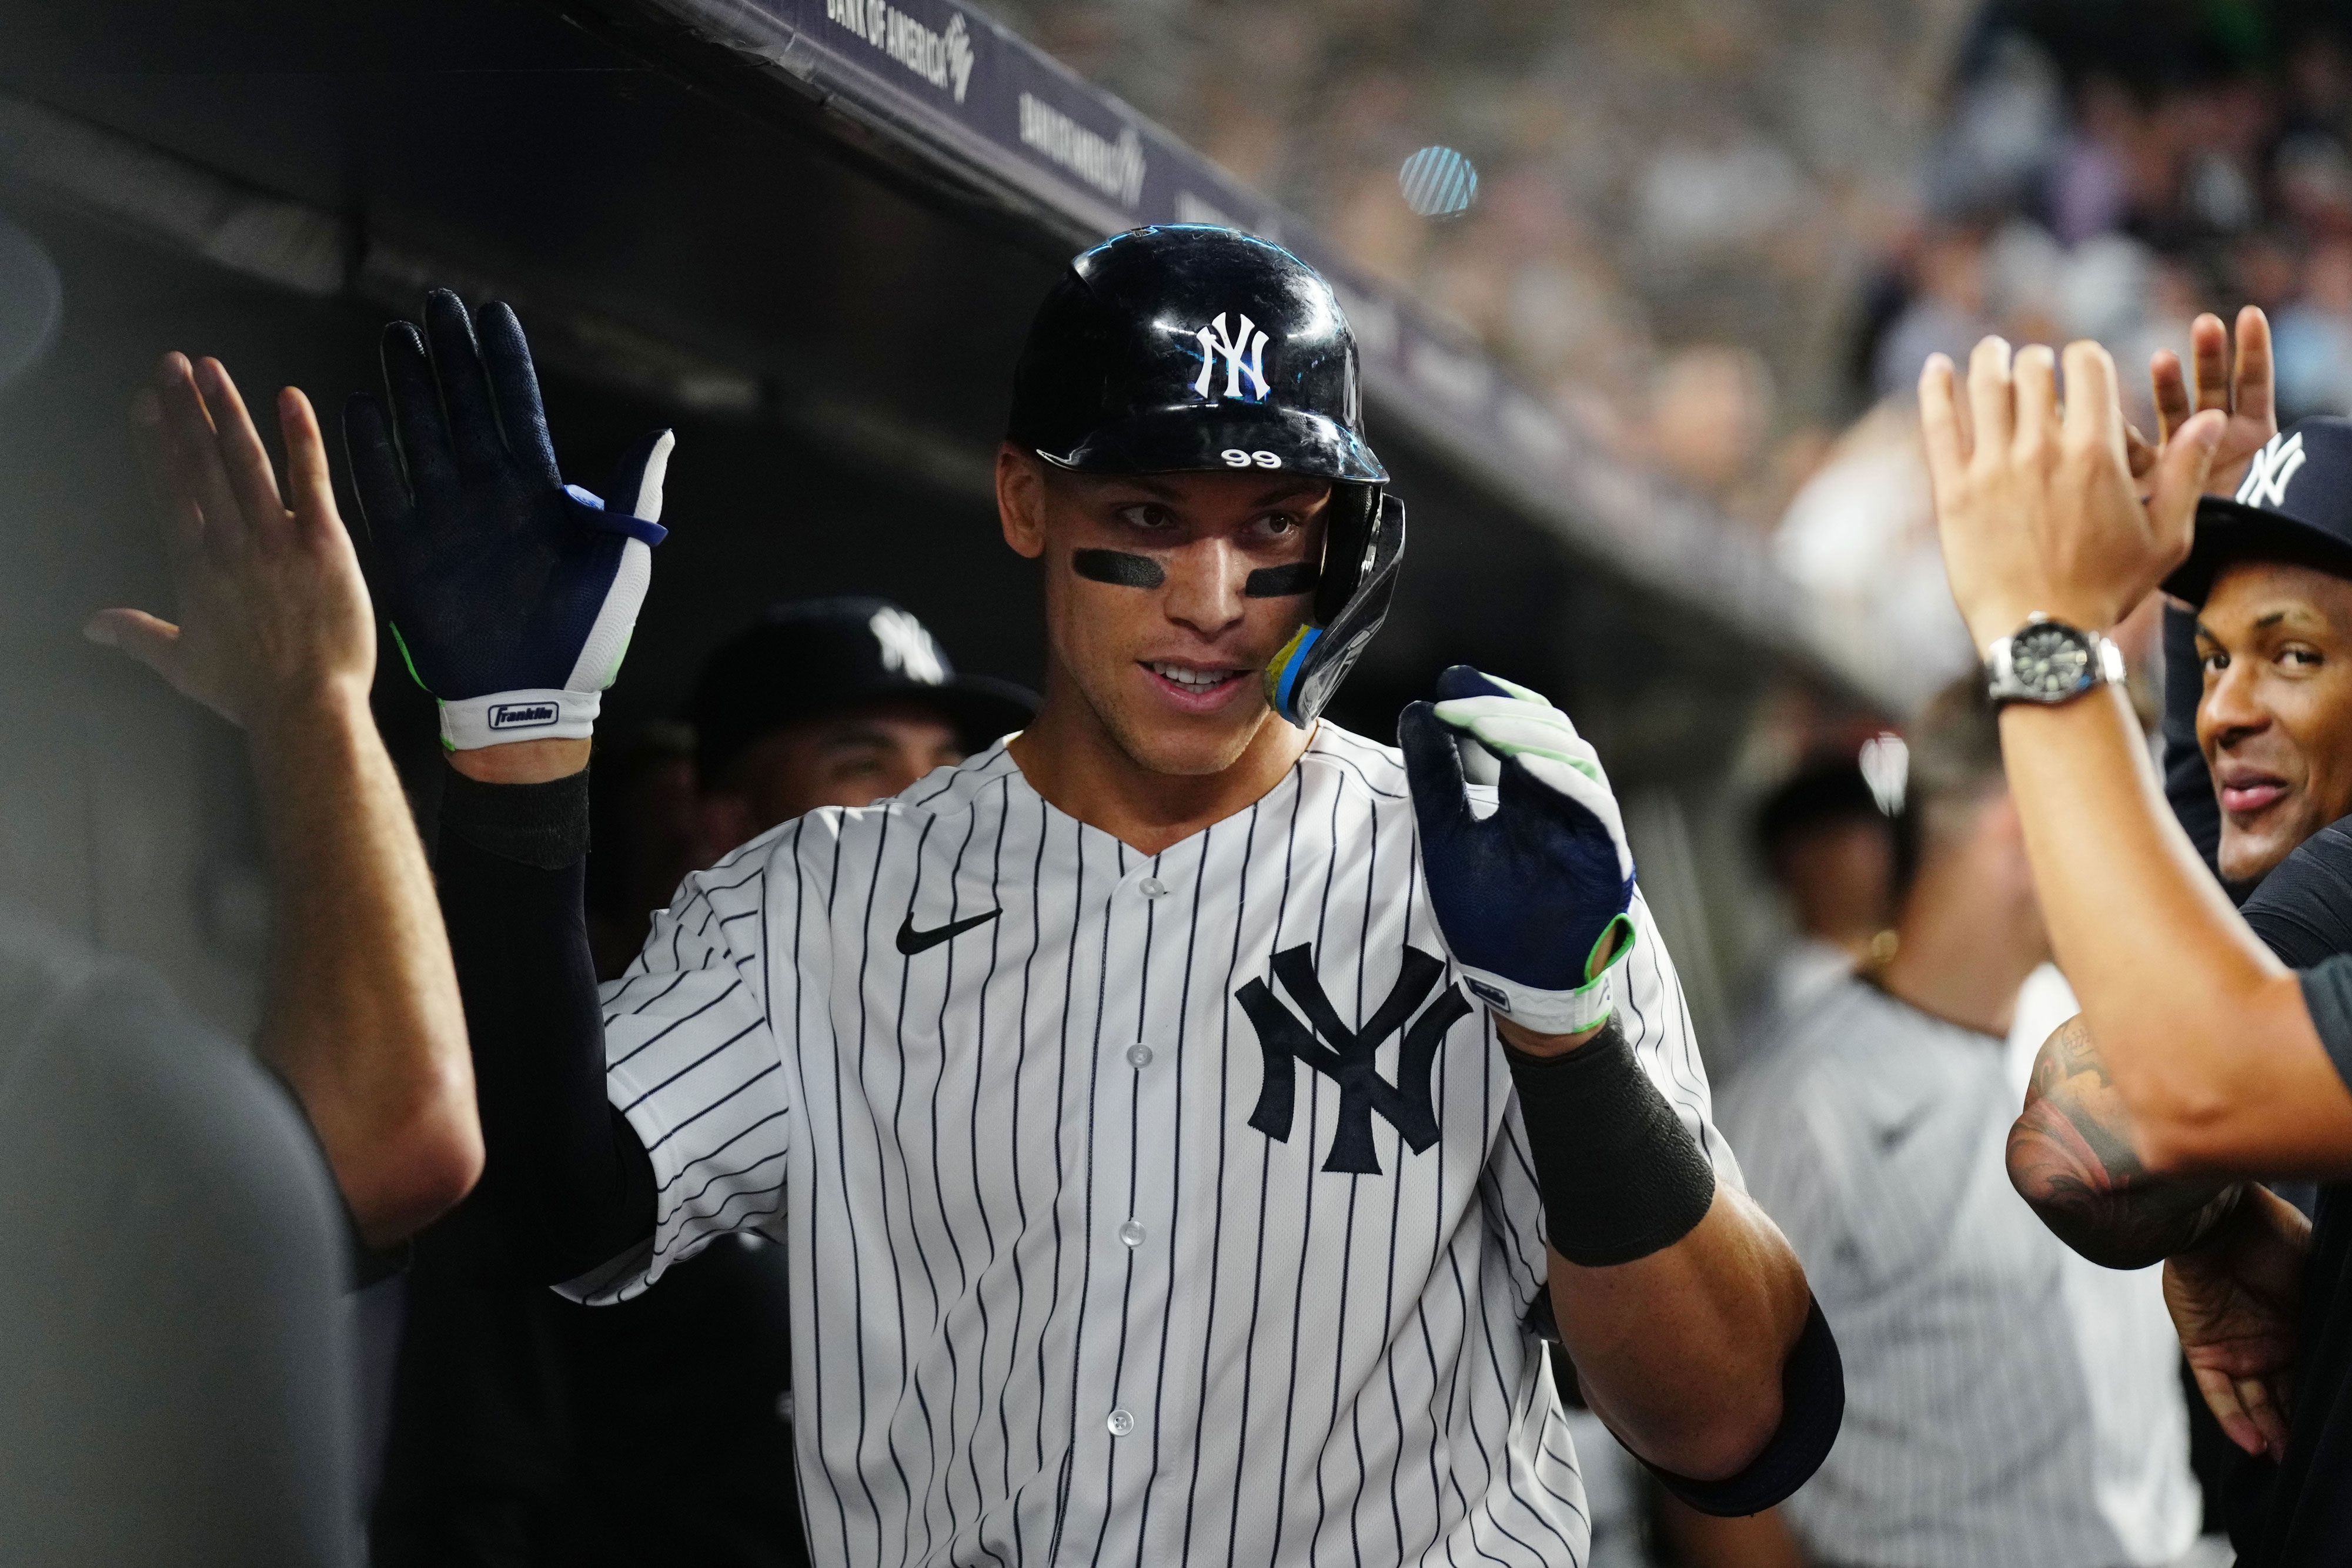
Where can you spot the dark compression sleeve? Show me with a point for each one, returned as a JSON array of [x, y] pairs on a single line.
[[2188, 783], [566, 1184], [1621, 1175], [1812, 1406]]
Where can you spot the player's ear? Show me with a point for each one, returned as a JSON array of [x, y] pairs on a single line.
[[1021, 485]]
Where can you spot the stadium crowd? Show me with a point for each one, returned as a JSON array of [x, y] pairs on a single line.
[[1722, 237]]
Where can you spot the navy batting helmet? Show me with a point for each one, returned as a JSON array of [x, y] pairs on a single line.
[[1191, 348]]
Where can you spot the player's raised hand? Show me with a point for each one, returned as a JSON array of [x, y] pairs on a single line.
[[273, 612], [1532, 897], [2036, 503], [2244, 389], [512, 593]]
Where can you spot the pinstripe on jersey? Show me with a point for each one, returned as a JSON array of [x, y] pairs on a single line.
[[1054, 1298]]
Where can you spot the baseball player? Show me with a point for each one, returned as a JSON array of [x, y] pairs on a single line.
[[1184, 1119]]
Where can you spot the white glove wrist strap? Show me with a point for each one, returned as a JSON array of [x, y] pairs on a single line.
[[1555, 1013], [501, 719]]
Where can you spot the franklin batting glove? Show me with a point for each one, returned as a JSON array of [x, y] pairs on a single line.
[[511, 594], [1533, 895]]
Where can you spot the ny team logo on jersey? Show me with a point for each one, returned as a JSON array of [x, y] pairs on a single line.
[[2274, 466], [1285, 1038], [1243, 356]]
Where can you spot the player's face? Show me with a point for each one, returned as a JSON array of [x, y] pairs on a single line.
[[852, 758], [2275, 721], [1151, 611]]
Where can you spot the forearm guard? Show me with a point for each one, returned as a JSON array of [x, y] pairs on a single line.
[[1621, 1175]]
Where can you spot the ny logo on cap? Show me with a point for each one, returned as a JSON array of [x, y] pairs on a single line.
[[907, 647], [2274, 466], [1285, 1038], [1243, 356]]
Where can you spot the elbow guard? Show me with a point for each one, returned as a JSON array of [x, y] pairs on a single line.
[[1812, 1406]]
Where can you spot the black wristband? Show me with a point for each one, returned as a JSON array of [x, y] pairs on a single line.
[[543, 825], [1621, 1175]]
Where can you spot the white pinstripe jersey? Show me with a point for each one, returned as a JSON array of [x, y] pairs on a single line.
[[1173, 1209]]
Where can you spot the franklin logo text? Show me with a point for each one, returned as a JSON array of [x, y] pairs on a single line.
[[523, 715]]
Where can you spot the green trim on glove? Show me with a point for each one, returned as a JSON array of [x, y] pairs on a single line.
[[402, 643], [1592, 978]]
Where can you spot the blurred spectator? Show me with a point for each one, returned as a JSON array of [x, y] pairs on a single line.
[[1831, 845], [1948, 308], [2314, 337], [1710, 412], [2091, 181], [1859, 536], [831, 702], [2007, 1401]]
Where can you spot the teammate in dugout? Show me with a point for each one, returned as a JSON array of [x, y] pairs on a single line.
[[1178, 1115], [2216, 1067]]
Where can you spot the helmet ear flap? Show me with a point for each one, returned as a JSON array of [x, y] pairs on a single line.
[[1349, 544], [1302, 677]]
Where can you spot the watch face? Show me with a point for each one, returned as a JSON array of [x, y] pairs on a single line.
[[2051, 661]]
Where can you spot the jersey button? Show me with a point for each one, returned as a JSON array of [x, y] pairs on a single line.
[[1138, 1056], [1120, 1424], [1132, 1233], [1153, 887]]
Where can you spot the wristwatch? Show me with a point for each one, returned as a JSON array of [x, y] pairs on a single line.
[[2048, 661]]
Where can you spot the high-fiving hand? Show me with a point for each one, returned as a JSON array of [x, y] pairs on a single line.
[[2236, 1300], [2036, 501], [512, 593], [273, 612], [2243, 391]]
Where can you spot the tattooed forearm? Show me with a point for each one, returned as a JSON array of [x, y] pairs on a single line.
[[2071, 1156]]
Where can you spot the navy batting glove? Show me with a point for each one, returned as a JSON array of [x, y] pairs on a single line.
[[1533, 895], [511, 593]]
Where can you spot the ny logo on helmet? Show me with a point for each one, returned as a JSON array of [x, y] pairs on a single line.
[[1244, 355], [2273, 466]]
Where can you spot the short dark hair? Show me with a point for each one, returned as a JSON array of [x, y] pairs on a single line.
[[1825, 791], [1955, 745]]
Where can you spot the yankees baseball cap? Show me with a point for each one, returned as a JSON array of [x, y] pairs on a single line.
[[2293, 506], [812, 658]]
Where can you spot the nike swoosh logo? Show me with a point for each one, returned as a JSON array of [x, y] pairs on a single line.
[[1888, 1137], [911, 941]]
